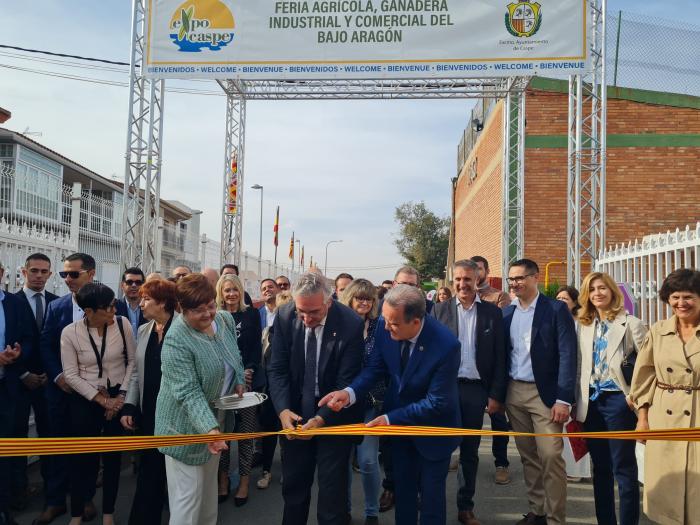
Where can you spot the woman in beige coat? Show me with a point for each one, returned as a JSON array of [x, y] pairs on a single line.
[[607, 336], [665, 389]]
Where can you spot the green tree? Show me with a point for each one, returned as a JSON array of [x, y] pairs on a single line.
[[423, 238]]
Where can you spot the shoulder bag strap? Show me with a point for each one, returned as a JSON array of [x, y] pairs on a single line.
[[121, 331]]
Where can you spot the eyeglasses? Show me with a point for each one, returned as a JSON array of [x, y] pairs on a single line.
[[283, 286], [73, 275], [363, 299], [519, 279], [129, 282]]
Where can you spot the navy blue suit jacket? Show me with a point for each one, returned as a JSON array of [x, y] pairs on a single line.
[[18, 329], [59, 314], [123, 310], [553, 349], [31, 361], [426, 393]]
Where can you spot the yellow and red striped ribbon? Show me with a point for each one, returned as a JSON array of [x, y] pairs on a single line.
[[78, 445]]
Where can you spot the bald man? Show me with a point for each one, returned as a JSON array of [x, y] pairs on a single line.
[[212, 275]]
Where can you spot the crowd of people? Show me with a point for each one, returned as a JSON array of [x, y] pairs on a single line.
[[155, 361]]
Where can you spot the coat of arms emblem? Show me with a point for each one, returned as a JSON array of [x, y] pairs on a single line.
[[523, 19]]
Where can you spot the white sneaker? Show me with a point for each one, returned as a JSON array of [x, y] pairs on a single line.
[[265, 481]]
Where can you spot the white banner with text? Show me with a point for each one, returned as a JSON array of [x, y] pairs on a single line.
[[365, 39]]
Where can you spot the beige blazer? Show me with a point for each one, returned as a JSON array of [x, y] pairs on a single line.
[[616, 353], [135, 394], [80, 364]]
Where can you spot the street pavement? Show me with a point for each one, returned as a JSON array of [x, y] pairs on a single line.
[[495, 504]]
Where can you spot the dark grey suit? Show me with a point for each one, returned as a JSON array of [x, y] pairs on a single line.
[[339, 361], [475, 393]]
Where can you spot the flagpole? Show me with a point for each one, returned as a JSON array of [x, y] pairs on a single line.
[[293, 254], [277, 230]]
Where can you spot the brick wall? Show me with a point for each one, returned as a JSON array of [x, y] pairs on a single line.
[[478, 201], [650, 189]]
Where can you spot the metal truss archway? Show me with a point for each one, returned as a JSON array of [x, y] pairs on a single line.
[[586, 155]]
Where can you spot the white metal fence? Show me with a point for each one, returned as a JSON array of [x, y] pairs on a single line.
[[644, 266], [56, 222]]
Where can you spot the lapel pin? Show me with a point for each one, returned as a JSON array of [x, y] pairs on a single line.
[[333, 334], [420, 348]]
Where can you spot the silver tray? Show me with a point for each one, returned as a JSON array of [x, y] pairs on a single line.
[[233, 402]]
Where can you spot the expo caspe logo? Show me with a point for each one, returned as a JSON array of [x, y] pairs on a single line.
[[201, 24], [523, 19]]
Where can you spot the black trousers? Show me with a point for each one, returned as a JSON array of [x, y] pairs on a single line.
[[151, 489], [300, 459], [386, 457], [87, 420], [28, 400], [473, 398]]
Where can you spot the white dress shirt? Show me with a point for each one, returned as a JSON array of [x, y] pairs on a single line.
[[521, 339], [78, 313], [29, 293], [272, 314], [319, 337], [466, 318]]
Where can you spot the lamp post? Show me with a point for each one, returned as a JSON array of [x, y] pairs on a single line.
[[259, 187], [325, 261]]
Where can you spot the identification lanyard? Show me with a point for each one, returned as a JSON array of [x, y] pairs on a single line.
[[99, 355]]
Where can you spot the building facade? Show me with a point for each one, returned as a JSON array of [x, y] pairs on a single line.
[[653, 165]]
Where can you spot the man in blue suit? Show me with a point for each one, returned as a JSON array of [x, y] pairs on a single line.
[[421, 358], [542, 348], [129, 306], [15, 338], [78, 270]]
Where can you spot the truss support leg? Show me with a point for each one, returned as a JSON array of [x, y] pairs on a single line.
[[586, 181], [513, 178], [232, 216], [141, 195]]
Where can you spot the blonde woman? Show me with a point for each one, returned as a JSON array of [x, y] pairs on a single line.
[[361, 296], [607, 338], [230, 297]]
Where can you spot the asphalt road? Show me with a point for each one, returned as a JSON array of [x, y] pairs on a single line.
[[495, 504]]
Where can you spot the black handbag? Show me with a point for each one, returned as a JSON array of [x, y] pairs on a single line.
[[630, 359]]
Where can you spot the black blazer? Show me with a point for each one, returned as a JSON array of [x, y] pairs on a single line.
[[31, 362], [249, 337], [342, 348], [490, 345]]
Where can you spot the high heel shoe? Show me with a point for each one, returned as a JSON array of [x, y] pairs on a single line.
[[224, 497], [239, 502]]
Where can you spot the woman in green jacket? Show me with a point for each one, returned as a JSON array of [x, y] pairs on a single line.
[[200, 363]]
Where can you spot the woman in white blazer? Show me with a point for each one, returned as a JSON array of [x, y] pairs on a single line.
[[608, 337], [158, 302]]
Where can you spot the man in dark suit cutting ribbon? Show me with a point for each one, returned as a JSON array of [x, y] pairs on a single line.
[[421, 358]]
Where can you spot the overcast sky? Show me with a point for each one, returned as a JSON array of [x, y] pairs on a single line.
[[336, 169]]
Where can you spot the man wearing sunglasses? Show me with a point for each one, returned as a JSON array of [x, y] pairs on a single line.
[[129, 305], [78, 270]]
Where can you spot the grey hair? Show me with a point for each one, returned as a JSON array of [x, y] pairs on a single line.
[[410, 297], [409, 270], [467, 264], [311, 283]]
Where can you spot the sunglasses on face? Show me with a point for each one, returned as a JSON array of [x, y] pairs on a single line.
[[283, 286], [73, 274], [129, 282]]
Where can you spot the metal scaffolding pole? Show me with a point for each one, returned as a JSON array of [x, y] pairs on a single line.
[[514, 174], [232, 219], [143, 157], [587, 155]]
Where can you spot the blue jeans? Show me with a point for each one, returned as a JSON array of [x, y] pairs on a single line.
[[613, 459], [368, 461]]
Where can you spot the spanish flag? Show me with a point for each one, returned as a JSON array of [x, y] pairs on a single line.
[[291, 247], [276, 228]]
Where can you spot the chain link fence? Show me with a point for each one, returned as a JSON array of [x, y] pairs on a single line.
[[652, 53]]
